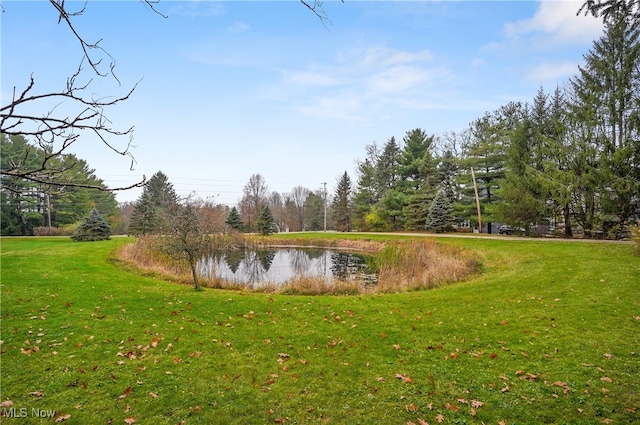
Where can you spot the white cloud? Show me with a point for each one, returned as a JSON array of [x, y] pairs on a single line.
[[553, 71], [196, 9], [237, 27], [381, 56], [396, 79], [310, 78], [357, 85], [558, 20]]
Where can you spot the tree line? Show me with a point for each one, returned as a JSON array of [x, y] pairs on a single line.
[[567, 160]]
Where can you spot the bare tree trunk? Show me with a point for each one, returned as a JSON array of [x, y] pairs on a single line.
[[194, 273]]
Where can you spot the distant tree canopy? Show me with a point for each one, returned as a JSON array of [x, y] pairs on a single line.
[[567, 162], [27, 205]]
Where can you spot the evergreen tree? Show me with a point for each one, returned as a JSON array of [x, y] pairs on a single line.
[[364, 199], [606, 99], [486, 154], [447, 171], [234, 220], [161, 191], [145, 218], [26, 205], [416, 165], [151, 212], [523, 197], [265, 224], [315, 207], [93, 228], [386, 168], [342, 209], [440, 218], [416, 210]]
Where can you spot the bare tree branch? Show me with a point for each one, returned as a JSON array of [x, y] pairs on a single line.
[[71, 113], [317, 8]]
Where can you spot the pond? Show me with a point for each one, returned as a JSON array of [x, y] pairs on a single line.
[[261, 267]]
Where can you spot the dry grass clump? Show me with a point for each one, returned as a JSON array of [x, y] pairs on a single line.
[[418, 264], [360, 245], [302, 285], [146, 255]]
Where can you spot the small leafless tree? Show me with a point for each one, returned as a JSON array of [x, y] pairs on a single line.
[[254, 198], [298, 199], [185, 238]]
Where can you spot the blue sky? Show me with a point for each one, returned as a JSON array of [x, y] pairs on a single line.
[[233, 88]]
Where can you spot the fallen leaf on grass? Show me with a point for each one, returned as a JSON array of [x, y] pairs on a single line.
[[411, 408], [404, 378], [5, 404], [125, 393], [37, 393], [130, 420], [476, 403], [62, 418], [452, 407], [153, 395], [606, 379], [440, 418]]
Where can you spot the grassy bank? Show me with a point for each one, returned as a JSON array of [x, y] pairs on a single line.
[[549, 332]]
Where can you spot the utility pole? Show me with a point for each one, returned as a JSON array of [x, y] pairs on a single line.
[[475, 188], [325, 205]]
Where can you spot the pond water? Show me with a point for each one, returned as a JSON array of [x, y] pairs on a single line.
[[255, 268]]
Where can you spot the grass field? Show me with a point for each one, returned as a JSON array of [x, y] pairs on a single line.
[[548, 332]]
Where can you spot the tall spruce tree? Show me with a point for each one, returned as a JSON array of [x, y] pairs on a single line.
[[150, 214], [145, 218], [605, 108], [342, 209]]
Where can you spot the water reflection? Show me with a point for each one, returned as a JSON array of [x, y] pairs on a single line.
[[255, 268]]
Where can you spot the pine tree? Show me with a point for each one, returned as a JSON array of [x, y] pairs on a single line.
[[234, 220], [161, 190], [150, 213], [265, 223], [342, 204], [93, 228], [440, 218], [145, 218], [605, 100]]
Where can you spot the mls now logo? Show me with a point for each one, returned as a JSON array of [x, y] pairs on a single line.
[[23, 412]]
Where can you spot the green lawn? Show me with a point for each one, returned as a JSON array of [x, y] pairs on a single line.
[[548, 332]]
